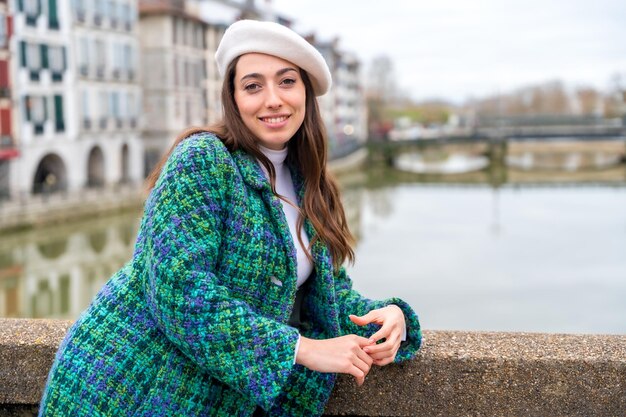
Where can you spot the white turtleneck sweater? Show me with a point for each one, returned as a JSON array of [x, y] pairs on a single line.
[[284, 187]]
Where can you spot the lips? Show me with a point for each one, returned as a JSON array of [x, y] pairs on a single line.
[[274, 119]]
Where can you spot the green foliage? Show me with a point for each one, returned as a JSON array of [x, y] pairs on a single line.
[[420, 113]]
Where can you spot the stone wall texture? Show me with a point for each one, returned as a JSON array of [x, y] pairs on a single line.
[[455, 374]]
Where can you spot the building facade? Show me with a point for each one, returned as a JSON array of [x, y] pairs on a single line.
[[94, 92], [343, 108], [76, 95], [175, 82], [8, 146]]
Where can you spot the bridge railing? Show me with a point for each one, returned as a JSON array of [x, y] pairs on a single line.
[[455, 374]]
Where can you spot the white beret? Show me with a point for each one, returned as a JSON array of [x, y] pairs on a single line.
[[245, 36]]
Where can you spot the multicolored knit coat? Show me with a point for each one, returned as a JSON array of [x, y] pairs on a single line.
[[195, 323]]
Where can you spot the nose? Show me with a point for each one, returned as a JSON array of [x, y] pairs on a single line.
[[273, 99]]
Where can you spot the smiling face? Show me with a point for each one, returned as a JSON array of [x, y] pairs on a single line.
[[270, 95]]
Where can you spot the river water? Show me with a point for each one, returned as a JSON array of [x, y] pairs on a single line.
[[540, 255]]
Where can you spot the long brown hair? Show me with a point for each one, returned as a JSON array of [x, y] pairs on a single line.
[[307, 151]]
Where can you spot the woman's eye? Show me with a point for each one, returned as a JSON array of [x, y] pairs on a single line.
[[289, 81], [252, 87]]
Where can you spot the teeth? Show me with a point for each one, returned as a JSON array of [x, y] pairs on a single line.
[[275, 119]]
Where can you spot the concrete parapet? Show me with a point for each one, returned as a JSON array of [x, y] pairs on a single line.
[[496, 374], [455, 374]]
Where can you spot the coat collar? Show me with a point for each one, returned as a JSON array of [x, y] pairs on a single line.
[[250, 170], [253, 176]]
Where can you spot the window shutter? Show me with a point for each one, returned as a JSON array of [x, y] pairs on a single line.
[[58, 113], [53, 18], [23, 49], [44, 56], [5, 122], [4, 74]]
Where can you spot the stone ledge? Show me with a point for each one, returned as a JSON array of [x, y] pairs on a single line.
[[495, 374], [455, 374]]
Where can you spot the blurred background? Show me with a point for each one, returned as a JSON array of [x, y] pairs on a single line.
[[480, 147]]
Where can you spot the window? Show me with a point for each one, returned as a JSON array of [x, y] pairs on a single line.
[[200, 34], [31, 59], [35, 111], [126, 16], [118, 59], [176, 75], [114, 109], [100, 58], [174, 37], [83, 57], [186, 74], [3, 30], [130, 105], [85, 110], [99, 12], [128, 61], [32, 9], [104, 105], [56, 58], [112, 6], [79, 9], [33, 56]]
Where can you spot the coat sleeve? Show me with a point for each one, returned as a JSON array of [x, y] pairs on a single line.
[[351, 302], [179, 244]]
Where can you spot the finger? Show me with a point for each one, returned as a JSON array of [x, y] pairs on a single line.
[[390, 342], [388, 345], [371, 317], [361, 341], [358, 375], [362, 365], [383, 358], [380, 356], [365, 357], [384, 361], [388, 332]]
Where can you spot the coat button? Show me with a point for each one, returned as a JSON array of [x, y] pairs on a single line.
[[276, 281]]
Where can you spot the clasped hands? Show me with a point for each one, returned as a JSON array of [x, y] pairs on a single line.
[[352, 354]]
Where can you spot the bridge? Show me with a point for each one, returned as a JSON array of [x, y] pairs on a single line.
[[575, 145]]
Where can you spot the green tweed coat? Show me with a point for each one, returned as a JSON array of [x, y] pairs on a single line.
[[195, 323]]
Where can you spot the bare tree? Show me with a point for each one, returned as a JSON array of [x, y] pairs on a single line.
[[381, 78], [380, 92]]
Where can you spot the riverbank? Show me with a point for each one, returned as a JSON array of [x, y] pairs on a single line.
[[40, 210]]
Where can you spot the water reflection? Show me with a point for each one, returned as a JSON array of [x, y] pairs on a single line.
[[507, 250], [541, 252], [56, 271]]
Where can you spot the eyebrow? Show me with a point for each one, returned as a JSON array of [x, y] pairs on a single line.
[[257, 75]]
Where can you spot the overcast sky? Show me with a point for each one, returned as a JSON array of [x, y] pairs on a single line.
[[455, 49]]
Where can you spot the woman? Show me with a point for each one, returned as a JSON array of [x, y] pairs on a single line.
[[235, 302]]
